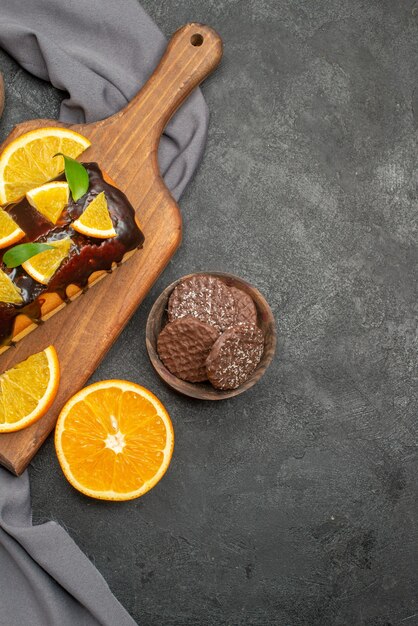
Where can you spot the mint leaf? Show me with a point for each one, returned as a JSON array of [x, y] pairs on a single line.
[[24, 251], [76, 175]]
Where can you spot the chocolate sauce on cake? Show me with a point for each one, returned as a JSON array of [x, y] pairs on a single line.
[[87, 254]]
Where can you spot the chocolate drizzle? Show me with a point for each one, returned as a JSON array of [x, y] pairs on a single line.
[[87, 255]]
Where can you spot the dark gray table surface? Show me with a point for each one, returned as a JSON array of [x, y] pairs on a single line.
[[296, 503]]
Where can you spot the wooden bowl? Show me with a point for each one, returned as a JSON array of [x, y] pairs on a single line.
[[204, 391]]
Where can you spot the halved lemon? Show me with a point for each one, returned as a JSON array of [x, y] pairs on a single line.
[[28, 162], [28, 390], [43, 266], [50, 199], [10, 232], [114, 440], [95, 220], [9, 293]]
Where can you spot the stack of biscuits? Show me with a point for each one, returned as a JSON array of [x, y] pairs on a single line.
[[211, 334]]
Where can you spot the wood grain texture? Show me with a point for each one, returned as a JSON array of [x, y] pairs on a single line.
[[204, 391], [125, 146], [52, 302]]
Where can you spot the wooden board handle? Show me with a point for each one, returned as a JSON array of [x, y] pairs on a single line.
[[125, 146], [192, 54]]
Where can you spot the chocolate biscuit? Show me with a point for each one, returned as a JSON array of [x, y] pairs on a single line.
[[183, 346], [204, 297], [234, 356], [245, 310]]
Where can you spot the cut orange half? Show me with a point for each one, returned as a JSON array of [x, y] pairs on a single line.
[[28, 390], [50, 199], [114, 440], [28, 161], [43, 266], [95, 220], [10, 232]]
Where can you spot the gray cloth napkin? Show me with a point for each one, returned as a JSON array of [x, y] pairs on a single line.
[[100, 52], [45, 579]]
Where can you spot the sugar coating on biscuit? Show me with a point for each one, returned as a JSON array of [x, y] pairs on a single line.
[[204, 297], [245, 310], [235, 355]]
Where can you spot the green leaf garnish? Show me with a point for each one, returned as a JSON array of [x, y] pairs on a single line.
[[24, 251], [76, 175]]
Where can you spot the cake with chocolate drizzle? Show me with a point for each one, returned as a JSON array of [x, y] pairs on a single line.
[[86, 255]]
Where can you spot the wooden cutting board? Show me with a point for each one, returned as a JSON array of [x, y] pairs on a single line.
[[125, 146]]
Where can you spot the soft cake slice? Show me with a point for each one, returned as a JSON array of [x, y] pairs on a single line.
[[89, 258]]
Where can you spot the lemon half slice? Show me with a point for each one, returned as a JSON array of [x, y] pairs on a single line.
[[28, 390], [114, 440], [28, 162], [10, 232], [43, 266], [9, 293], [95, 220], [50, 199]]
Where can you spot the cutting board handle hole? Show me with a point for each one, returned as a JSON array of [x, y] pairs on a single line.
[[196, 39]]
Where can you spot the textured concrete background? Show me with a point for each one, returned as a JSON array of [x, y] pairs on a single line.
[[296, 503]]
